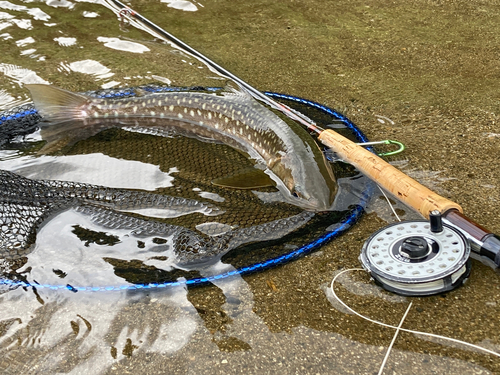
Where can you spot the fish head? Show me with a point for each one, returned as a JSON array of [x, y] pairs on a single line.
[[307, 188]]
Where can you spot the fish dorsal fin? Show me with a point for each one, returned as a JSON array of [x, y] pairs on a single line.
[[249, 178], [140, 92], [55, 104], [236, 93]]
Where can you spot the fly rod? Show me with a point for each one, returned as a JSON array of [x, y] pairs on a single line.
[[401, 186]]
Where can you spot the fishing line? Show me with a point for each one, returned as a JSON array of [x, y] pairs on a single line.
[[389, 203], [402, 329], [352, 215], [389, 349]]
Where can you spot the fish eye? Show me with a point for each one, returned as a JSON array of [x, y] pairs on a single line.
[[296, 192]]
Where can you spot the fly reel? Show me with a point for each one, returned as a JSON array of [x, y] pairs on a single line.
[[417, 258]]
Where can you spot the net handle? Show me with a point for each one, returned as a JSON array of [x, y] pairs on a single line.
[[390, 178]]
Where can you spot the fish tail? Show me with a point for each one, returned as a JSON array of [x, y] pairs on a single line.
[[57, 105]]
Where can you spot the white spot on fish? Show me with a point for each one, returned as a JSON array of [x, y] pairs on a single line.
[[134, 109], [179, 115], [198, 112], [185, 110], [162, 114], [226, 120], [209, 115], [204, 106], [99, 106], [152, 113], [190, 102], [159, 102], [171, 107], [96, 114], [216, 126], [143, 104], [201, 123], [191, 113], [106, 115], [116, 113], [241, 131]]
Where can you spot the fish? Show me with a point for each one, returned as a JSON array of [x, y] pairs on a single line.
[[285, 154]]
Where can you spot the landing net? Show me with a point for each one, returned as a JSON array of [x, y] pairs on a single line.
[[104, 238]]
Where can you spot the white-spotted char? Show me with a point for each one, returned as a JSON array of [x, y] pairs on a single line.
[[286, 152]]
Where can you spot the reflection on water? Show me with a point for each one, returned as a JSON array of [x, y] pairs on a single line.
[[91, 67], [123, 45], [20, 75], [182, 5], [97, 169], [65, 42], [218, 329], [171, 330]]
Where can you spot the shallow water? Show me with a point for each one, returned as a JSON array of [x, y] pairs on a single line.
[[422, 72]]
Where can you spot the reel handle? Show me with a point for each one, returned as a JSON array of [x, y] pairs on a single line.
[[390, 178], [412, 193]]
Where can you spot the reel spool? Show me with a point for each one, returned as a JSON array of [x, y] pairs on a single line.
[[417, 258]]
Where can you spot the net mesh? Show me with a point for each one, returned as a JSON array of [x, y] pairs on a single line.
[[250, 229]]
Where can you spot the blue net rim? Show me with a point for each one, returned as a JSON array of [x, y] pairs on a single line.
[[350, 218]]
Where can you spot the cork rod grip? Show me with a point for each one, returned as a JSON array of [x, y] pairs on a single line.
[[390, 178]]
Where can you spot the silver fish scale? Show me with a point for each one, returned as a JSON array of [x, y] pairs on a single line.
[[231, 113]]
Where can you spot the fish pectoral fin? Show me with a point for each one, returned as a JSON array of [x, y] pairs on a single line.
[[249, 178]]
